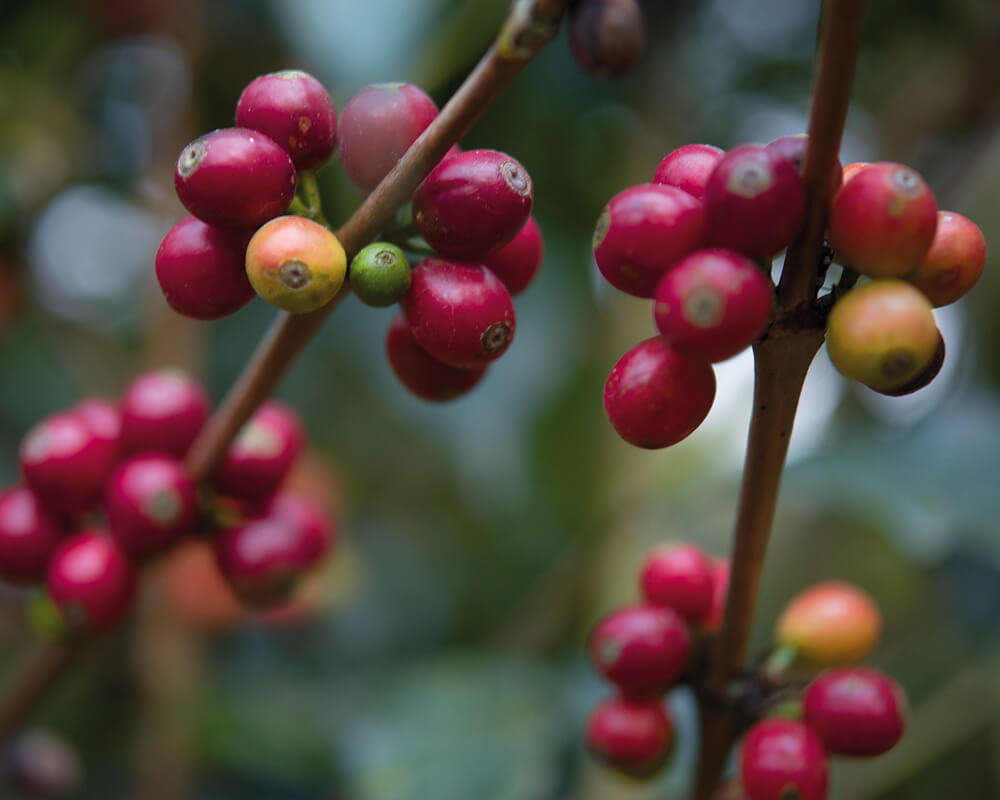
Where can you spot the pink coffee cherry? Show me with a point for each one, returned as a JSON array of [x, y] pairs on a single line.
[[953, 263], [151, 504], [103, 418], [162, 411], [377, 126], [473, 203], [202, 269], [92, 581], [641, 649], [295, 110], [633, 736], [689, 168], [421, 373], [780, 757], [642, 232], [678, 576], [655, 397], [460, 313], [234, 178], [28, 536], [518, 261], [713, 304], [793, 150], [712, 620], [754, 202], [855, 711], [318, 531], [882, 221], [261, 455]]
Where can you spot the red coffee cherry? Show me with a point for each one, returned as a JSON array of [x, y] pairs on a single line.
[[713, 304], [882, 221], [754, 202], [92, 581], [633, 736], [420, 372], [377, 126], [28, 536], [473, 203], [793, 150], [954, 262], [642, 232], [518, 261], [654, 397], [689, 167], [162, 411], [234, 178], [782, 758], [641, 649], [850, 170], [606, 37], [104, 420], [459, 313], [315, 526], [855, 711], [678, 576], [295, 110], [201, 269], [151, 504], [712, 620]]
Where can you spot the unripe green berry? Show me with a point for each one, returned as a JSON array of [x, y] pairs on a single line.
[[380, 274]]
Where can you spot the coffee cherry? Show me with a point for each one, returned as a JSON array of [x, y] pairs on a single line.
[[92, 581], [314, 524], [678, 576], [214, 606], [377, 126], [954, 262], [234, 178], [781, 759], [922, 378], [712, 304], [606, 37], [473, 203], [712, 620], [295, 110], [830, 624], [641, 649], [104, 420], [380, 274], [296, 264], [459, 313], [882, 221], [421, 373], [793, 150], [855, 711], [518, 261], [633, 736], [853, 169], [754, 202], [162, 412], [151, 504], [642, 232], [882, 334], [689, 167], [28, 536], [655, 397]]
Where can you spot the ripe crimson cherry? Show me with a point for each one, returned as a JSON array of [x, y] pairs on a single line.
[[318, 532], [642, 232], [295, 110], [793, 150], [377, 126], [830, 624], [380, 274], [689, 167], [712, 620], [162, 411], [92, 581], [606, 37], [151, 504], [782, 758], [633, 736], [28, 536], [855, 711], [654, 397], [420, 372], [460, 313], [678, 576], [882, 221], [518, 261], [234, 178], [712, 304], [103, 418], [473, 203], [954, 261], [754, 202]]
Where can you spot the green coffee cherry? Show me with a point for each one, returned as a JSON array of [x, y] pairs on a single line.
[[380, 274]]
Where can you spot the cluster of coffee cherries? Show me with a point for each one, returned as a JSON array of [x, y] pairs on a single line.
[[105, 487]]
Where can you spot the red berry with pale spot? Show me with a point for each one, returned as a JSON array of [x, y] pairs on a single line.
[[421, 373], [689, 168], [655, 397], [642, 232], [793, 150], [28, 536], [782, 758], [318, 532], [162, 411], [633, 736], [954, 261], [678, 576], [460, 313], [518, 261]]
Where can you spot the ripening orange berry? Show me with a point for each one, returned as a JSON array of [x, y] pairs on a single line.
[[830, 624], [955, 261]]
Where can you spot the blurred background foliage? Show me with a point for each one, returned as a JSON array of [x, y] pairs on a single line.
[[440, 655]]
